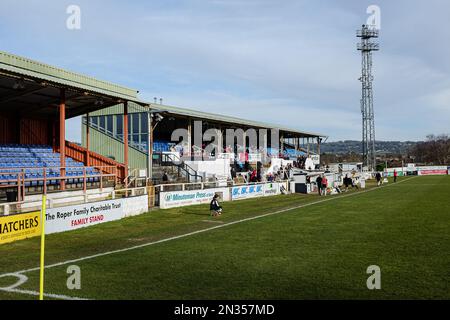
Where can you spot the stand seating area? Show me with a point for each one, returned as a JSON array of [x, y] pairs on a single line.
[[32, 160], [161, 146]]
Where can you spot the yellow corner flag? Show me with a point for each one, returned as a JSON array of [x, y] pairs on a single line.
[[41, 278]]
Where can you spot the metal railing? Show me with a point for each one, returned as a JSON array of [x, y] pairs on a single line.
[[90, 159], [17, 207], [193, 185], [23, 178], [134, 179], [172, 159], [206, 185]]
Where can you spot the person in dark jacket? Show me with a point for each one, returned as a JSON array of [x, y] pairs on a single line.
[[233, 173], [378, 177], [319, 184], [215, 207], [347, 181]]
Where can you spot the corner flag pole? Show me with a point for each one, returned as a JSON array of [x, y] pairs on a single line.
[[41, 277]]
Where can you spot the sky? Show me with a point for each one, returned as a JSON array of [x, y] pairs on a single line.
[[292, 63]]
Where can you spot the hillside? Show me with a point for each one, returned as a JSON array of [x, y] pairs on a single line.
[[353, 146]]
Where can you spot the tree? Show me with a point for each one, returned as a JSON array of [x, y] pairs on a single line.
[[434, 151]]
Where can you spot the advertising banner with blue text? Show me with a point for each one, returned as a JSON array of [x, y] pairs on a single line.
[[185, 198]]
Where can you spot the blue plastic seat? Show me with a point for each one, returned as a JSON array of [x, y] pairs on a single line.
[[32, 158]]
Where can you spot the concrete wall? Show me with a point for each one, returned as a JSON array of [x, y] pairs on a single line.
[[58, 199]]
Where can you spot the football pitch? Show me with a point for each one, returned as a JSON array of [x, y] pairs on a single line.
[[281, 247]]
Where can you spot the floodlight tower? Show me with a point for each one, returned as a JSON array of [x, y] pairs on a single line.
[[366, 46]]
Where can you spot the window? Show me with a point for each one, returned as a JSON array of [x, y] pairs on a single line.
[[135, 122], [94, 121], [135, 138], [109, 124], [102, 123], [144, 141], [144, 123], [119, 125]]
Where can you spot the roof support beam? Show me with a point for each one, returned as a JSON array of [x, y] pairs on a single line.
[[76, 96], [125, 137], [20, 94], [62, 137], [88, 107], [87, 161]]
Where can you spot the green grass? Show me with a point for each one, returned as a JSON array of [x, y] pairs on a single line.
[[319, 251]]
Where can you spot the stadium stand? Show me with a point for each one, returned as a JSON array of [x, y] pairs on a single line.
[[161, 146], [272, 152], [32, 159], [294, 153], [118, 127]]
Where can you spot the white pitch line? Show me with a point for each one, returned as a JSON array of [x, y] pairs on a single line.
[[22, 279], [207, 229], [422, 184], [35, 293], [212, 221]]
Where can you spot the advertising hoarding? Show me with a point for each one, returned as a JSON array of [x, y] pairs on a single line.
[[19, 226], [185, 198], [83, 215], [247, 191]]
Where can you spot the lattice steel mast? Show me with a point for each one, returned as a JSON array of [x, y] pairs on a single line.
[[366, 46]]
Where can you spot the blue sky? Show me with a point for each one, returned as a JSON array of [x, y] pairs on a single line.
[[289, 62]]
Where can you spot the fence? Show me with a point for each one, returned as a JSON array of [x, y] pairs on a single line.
[[90, 158], [85, 195], [173, 195], [46, 177], [33, 202]]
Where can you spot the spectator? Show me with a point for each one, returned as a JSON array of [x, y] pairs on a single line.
[[378, 177], [233, 173], [324, 185], [253, 176], [319, 184], [287, 173], [346, 182], [336, 187], [354, 184], [165, 177]]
